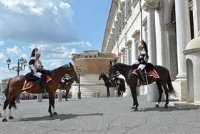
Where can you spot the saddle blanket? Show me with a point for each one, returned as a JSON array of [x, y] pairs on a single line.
[[151, 73], [29, 84]]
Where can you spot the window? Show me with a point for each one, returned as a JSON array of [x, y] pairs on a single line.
[[136, 48], [128, 8], [134, 2]]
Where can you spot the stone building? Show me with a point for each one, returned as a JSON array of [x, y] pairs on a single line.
[[90, 64], [166, 25]]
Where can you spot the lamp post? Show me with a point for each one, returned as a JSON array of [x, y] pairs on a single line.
[[81, 70], [21, 64]]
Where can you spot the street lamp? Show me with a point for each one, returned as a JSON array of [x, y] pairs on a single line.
[[81, 70], [21, 64]]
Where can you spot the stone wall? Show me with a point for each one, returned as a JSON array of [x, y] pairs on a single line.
[[92, 64]]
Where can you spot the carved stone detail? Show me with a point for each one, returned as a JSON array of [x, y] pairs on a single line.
[[152, 4]]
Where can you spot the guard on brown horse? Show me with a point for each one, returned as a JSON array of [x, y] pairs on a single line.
[[66, 84], [164, 81], [16, 85], [36, 67]]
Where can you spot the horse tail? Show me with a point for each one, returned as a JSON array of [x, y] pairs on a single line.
[[170, 86], [7, 88], [12, 102]]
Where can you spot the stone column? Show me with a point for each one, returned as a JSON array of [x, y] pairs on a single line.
[[170, 53], [39, 97], [59, 95], [183, 34], [150, 6], [183, 37], [196, 12]]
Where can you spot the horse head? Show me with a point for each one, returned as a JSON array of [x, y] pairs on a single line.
[[73, 73], [112, 71], [101, 76]]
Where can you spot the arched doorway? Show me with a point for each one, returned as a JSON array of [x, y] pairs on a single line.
[[190, 85]]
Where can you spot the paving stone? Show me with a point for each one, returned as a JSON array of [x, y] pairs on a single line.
[[112, 115]]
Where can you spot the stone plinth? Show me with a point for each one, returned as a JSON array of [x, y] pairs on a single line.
[[89, 86], [153, 93]]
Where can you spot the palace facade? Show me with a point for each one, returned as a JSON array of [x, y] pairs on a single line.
[[166, 25]]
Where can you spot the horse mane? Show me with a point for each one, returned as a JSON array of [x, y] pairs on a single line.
[[123, 68], [58, 68], [123, 65]]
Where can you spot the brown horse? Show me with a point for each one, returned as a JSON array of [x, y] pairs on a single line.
[[15, 85], [131, 79], [67, 86]]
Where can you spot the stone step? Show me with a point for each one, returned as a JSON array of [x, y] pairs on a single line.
[[185, 105]]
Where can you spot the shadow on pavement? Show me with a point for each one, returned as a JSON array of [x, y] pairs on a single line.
[[60, 116]]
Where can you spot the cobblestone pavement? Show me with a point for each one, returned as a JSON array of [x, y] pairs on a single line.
[[100, 116]]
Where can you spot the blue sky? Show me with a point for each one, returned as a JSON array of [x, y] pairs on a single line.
[[57, 27]]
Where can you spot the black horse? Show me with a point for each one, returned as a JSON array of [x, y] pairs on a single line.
[[119, 83], [131, 79], [108, 82]]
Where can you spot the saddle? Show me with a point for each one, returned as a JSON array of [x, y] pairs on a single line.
[[148, 71], [31, 80]]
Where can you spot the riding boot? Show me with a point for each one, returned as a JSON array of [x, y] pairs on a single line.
[[141, 77], [42, 84]]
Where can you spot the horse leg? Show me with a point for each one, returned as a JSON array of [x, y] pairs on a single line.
[[9, 112], [11, 104], [134, 96], [66, 96], [51, 104], [6, 102], [167, 96], [121, 93], [160, 91], [108, 92]]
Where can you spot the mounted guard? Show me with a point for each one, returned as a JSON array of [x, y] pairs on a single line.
[[141, 64], [36, 68]]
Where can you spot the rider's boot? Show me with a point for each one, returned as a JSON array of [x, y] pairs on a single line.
[[141, 77], [42, 83]]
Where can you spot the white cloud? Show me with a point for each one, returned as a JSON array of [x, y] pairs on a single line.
[[45, 24], [33, 21], [1, 43], [15, 52], [2, 56]]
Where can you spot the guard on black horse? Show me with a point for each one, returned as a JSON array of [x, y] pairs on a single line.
[[141, 64]]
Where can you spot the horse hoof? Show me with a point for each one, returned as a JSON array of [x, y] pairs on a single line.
[[54, 113], [11, 117], [51, 115], [165, 106], [135, 109], [156, 105], [4, 120]]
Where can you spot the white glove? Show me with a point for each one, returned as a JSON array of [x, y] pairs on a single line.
[[33, 68]]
